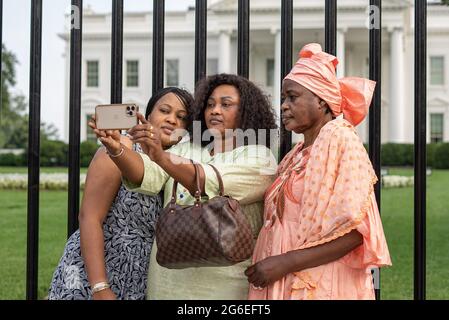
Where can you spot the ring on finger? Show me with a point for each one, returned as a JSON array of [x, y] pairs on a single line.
[[257, 288]]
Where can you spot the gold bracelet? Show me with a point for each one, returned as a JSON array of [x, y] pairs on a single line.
[[122, 149], [100, 286]]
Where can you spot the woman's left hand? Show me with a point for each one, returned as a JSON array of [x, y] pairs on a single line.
[[267, 271], [148, 137]]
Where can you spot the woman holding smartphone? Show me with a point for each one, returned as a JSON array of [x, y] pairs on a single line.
[[226, 108], [108, 257]]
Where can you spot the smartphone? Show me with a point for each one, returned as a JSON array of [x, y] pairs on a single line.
[[116, 116]]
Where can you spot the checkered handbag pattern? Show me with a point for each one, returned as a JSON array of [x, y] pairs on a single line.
[[209, 234]]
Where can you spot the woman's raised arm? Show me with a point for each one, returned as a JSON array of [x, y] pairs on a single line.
[[128, 161]]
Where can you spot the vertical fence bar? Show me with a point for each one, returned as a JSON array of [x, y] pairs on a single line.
[[375, 74], [331, 26], [75, 115], [286, 65], [243, 38], [200, 39], [117, 51], [33, 149], [420, 148], [158, 44]]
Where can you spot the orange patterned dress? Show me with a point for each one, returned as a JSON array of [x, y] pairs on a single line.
[[321, 193]]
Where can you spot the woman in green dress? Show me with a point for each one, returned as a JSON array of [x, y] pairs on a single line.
[[239, 118]]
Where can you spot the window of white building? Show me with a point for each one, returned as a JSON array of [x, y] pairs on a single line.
[[132, 73], [92, 73], [436, 127], [212, 66], [270, 73], [172, 72], [90, 134], [437, 70]]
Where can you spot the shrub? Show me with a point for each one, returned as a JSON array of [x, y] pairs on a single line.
[[441, 156], [12, 160], [431, 148], [54, 153], [87, 151], [395, 154]]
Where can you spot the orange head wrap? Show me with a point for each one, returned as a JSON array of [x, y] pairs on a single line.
[[315, 70]]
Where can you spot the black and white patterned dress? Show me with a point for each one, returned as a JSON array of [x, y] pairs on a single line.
[[128, 237]]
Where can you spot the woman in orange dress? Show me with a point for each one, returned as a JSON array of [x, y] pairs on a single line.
[[322, 233]]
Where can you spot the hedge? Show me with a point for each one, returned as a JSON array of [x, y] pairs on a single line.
[[397, 155], [441, 156], [87, 151], [12, 160], [431, 148], [53, 154], [403, 155]]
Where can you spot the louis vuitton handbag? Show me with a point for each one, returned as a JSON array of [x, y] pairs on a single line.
[[209, 234]]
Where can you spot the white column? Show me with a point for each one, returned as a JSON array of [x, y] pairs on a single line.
[[277, 72], [224, 52], [341, 53], [66, 95], [397, 111]]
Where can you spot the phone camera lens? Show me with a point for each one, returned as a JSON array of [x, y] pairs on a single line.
[[133, 108], [128, 108]]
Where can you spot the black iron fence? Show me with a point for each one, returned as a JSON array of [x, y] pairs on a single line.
[[243, 56]]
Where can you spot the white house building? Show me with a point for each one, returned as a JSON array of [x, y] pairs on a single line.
[[352, 46]]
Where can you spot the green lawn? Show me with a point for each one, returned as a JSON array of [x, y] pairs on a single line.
[[397, 215], [52, 231]]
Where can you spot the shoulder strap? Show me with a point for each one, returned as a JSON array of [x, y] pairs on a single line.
[[220, 181], [198, 187]]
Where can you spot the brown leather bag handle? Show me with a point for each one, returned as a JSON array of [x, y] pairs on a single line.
[[220, 181], [198, 187]]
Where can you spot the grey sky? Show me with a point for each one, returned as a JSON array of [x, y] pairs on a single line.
[[16, 37]]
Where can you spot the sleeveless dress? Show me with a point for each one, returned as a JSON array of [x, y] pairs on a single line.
[[128, 237]]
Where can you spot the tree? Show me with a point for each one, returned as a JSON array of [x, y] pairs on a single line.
[[11, 117], [13, 113], [446, 2]]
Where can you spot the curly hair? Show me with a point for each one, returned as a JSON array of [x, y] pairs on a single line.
[[255, 109]]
